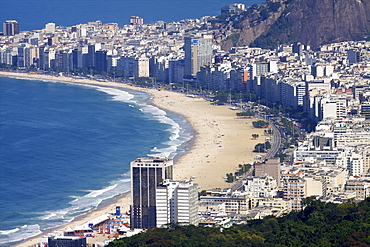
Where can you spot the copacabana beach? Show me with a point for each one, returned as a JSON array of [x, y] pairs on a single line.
[[222, 141]]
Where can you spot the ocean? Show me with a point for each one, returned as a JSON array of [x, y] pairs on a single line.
[[33, 15], [66, 148]]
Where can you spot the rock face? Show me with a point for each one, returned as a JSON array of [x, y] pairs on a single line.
[[315, 22], [311, 22]]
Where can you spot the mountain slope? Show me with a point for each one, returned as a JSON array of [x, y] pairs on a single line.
[[311, 22]]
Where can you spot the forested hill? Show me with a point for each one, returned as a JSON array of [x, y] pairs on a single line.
[[311, 22], [319, 224]]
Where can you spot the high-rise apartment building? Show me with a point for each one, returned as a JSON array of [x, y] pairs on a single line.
[[177, 202], [136, 20], [269, 167], [50, 27], [353, 56], [198, 52], [365, 110], [146, 175], [11, 27], [294, 189]]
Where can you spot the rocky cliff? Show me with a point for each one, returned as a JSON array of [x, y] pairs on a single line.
[[311, 22]]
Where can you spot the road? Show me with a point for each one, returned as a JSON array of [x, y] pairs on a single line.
[[239, 183], [276, 142], [271, 153]]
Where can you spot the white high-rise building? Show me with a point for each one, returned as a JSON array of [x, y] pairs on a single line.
[[198, 52], [292, 92], [50, 27], [333, 107], [317, 71], [141, 67], [261, 186], [355, 163], [177, 202]]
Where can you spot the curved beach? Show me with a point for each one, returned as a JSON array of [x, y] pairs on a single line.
[[221, 143]]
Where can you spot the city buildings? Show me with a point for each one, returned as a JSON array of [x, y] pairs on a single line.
[[198, 52], [136, 20], [177, 203], [69, 241], [330, 84], [146, 175], [11, 28]]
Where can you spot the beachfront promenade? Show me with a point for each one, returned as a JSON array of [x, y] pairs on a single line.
[[276, 143]]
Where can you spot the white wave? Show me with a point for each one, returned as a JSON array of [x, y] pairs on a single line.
[[6, 232], [96, 193], [54, 215], [157, 114], [178, 136], [119, 95], [166, 152], [174, 129], [18, 234], [82, 204]]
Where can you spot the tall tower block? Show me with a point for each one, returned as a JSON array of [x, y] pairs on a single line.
[[11, 28], [198, 52], [146, 175]]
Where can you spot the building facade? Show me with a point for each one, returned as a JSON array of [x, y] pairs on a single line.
[[177, 202], [11, 28], [146, 175], [198, 52]]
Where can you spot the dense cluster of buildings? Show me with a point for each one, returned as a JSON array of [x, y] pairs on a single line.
[[325, 82], [331, 83], [158, 200]]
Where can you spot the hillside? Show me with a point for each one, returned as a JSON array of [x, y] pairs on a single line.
[[311, 22], [319, 224]]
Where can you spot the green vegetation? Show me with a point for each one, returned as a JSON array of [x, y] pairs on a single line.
[[243, 169], [224, 96], [222, 18], [281, 156], [319, 224], [268, 132], [260, 124], [245, 114], [298, 113], [262, 147], [273, 37], [288, 125], [234, 38], [230, 178], [255, 136], [202, 193]]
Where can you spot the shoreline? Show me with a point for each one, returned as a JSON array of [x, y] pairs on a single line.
[[221, 142]]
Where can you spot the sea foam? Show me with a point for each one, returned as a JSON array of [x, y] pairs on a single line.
[[174, 141], [18, 234]]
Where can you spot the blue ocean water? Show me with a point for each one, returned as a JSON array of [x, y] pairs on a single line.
[[33, 15], [66, 148]]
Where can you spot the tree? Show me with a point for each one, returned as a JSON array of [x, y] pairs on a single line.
[[255, 136], [230, 178], [318, 224], [260, 124]]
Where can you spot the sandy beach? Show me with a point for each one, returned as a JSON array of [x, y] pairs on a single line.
[[221, 143]]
